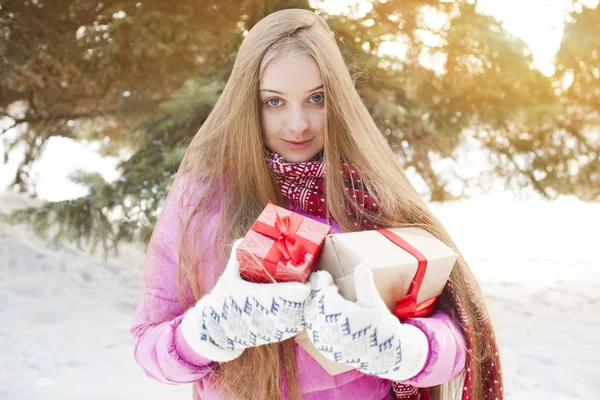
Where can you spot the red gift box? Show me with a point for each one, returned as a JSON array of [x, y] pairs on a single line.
[[281, 246]]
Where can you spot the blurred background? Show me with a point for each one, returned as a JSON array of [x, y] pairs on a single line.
[[492, 106]]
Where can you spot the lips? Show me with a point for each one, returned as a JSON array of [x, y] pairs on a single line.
[[295, 145]]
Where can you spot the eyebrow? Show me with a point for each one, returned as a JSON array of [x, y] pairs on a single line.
[[278, 92]]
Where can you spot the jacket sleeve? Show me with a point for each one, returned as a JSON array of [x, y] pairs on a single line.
[[160, 348], [447, 350]]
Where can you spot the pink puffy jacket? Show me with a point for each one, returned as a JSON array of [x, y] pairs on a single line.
[[162, 352]]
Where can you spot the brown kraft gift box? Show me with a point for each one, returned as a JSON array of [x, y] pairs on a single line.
[[394, 269]]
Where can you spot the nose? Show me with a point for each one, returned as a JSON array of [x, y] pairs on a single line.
[[298, 120]]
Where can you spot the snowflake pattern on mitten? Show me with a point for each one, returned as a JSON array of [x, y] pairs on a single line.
[[363, 334], [246, 321], [348, 338], [238, 314]]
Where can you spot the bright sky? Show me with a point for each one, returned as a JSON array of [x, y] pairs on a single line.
[[60, 158], [538, 22]]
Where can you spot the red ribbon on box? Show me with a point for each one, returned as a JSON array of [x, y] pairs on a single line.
[[407, 307], [288, 246]]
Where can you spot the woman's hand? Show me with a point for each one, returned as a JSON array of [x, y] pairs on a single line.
[[238, 314], [364, 335]]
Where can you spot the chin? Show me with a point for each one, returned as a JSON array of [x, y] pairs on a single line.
[[299, 156]]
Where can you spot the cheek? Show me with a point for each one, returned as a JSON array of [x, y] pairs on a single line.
[[317, 123], [268, 125]]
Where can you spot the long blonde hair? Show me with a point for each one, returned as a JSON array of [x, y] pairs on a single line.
[[227, 156]]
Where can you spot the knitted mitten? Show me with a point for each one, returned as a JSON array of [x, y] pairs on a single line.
[[365, 334], [238, 314]]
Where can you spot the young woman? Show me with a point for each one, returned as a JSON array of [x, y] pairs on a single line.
[[290, 120]]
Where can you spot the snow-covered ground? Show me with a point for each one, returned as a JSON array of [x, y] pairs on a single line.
[[65, 314], [64, 321]]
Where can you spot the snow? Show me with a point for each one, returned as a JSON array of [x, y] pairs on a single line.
[[538, 267], [65, 313], [65, 320]]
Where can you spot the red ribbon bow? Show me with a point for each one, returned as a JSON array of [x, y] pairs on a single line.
[[407, 307], [288, 245]]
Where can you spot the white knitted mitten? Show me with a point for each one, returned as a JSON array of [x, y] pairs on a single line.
[[365, 334], [238, 314]]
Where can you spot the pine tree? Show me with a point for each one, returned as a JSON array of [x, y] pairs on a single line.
[[147, 74], [576, 163]]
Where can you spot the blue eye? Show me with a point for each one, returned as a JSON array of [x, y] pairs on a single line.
[[317, 98], [271, 104]]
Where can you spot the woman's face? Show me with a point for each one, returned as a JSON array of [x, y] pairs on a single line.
[[292, 110]]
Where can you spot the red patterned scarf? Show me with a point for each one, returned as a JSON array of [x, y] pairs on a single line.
[[304, 185]]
